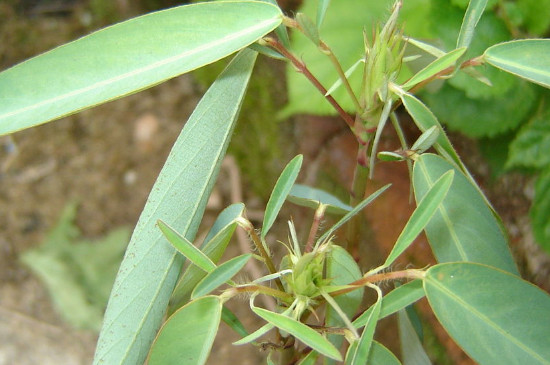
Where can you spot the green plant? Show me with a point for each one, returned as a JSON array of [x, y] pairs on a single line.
[[474, 290]]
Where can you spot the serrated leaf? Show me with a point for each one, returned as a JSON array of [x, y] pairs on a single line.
[[421, 216], [496, 317], [540, 210], [526, 58], [471, 17], [186, 248], [436, 66], [151, 266], [398, 298], [280, 192], [461, 231], [220, 275], [301, 331], [307, 196], [200, 318], [128, 57]]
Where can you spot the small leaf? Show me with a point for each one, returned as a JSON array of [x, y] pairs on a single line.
[[128, 57], [350, 214], [438, 65], [233, 321], [220, 275], [526, 58], [380, 355], [358, 355], [186, 248], [397, 299], [412, 351], [390, 156], [309, 29], [496, 317], [200, 318], [463, 228], [471, 17], [428, 48], [348, 73], [301, 331], [306, 196], [280, 191], [421, 216], [426, 139]]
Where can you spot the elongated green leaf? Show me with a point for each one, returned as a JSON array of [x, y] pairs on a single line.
[[359, 354], [151, 266], [342, 269], [395, 300], [412, 351], [233, 321], [220, 275], [128, 57], [353, 212], [260, 331], [213, 246], [175, 345], [380, 355], [463, 228], [311, 197], [280, 192], [301, 331], [435, 67], [496, 317], [321, 11], [426, 140], [526, 58], [186, 248], [421, 216], [471, 17], [424, 120]]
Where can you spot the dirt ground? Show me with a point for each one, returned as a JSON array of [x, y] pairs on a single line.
[[107, 159]]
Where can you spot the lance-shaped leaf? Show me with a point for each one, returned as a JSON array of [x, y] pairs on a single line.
[[412, 351], [471, 17], [395, 300], [186, 248], [151, 266], [496, 317], [200, 318], [421, 216], [128, 57], [380, 355], [280, 192], [220, 275], [463, 228], [301, 331], [438, 65], [526, 58], [306, 196]]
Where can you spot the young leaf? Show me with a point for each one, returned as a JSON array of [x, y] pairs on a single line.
[[412, 351], [233, 321], [321, 11], [421, 216], [463, 228], [186, 248], [496, 317], [220, 275], [151, 267], [397, 299], [471, 17], [200, 318], [359, 354], [380, 355], [353, 212], [214, 246], [301, 331], [280, 192], [306, 196], [426, 140], [438, 65], [128, 57], [526, 58]]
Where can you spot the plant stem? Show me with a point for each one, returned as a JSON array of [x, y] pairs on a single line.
[[319, 214], [302, 68], [405, 274]]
